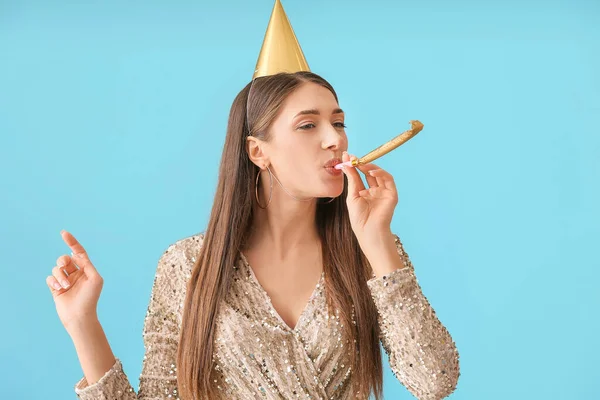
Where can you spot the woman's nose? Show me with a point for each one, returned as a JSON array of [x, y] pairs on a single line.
[[334, 139]]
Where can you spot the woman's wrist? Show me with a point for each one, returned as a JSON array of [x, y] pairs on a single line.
[[92, 347], [83, 326]]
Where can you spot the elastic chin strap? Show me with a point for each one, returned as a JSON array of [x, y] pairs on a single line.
[[246, 118], [286, 191]]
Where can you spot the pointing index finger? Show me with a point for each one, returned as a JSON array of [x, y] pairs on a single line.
[[75, 246], [80, 256]]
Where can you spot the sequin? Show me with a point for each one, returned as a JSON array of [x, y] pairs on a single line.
[[258, 356]]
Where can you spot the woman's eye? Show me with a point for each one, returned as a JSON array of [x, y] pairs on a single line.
[[311, 125]]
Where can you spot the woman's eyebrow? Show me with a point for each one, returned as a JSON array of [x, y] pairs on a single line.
[[314, 111]]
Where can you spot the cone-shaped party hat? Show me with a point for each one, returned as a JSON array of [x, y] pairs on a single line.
[[280, 50]]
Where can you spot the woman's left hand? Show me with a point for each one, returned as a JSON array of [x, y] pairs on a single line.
[[371, 209]]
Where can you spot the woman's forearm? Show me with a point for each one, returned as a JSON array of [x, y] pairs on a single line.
[[94, 352]]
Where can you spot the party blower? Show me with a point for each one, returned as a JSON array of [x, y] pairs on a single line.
[[416, 127]]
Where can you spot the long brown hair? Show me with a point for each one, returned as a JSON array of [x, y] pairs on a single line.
[[345, 265]]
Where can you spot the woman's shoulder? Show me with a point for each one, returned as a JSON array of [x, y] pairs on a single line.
[[188, 246], [180, 256], [170, 284]]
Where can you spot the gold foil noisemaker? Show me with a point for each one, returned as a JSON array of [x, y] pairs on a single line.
[[416, 127]]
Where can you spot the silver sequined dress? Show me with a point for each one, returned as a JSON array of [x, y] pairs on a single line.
[[257, 356]]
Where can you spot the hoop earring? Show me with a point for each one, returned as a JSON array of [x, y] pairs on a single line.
[[256, 189]]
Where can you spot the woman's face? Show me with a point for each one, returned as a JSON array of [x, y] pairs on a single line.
[[307, 139]]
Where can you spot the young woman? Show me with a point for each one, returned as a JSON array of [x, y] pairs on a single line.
[[294, 283]]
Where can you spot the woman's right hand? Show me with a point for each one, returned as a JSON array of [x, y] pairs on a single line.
[[76, 303]]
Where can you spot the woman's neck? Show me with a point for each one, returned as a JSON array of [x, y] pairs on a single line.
[[284, 227]]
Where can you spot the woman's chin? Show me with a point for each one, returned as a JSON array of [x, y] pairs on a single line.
[[327, 188], [332, 192]]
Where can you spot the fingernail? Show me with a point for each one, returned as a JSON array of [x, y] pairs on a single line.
[[61, 263], [65, 284], [56, 285], [371, 173]]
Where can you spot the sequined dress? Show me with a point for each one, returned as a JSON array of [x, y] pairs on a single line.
[[257, 356]]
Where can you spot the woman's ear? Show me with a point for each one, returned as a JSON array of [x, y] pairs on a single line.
[[255, 148]]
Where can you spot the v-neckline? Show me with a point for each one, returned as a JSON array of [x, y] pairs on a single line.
[[316, 290]]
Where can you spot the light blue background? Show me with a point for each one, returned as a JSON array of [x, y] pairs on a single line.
[[112, 120]]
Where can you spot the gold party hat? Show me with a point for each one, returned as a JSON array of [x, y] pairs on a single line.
[[280, 50]]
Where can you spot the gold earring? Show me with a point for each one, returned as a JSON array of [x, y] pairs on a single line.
[[256, 188]]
